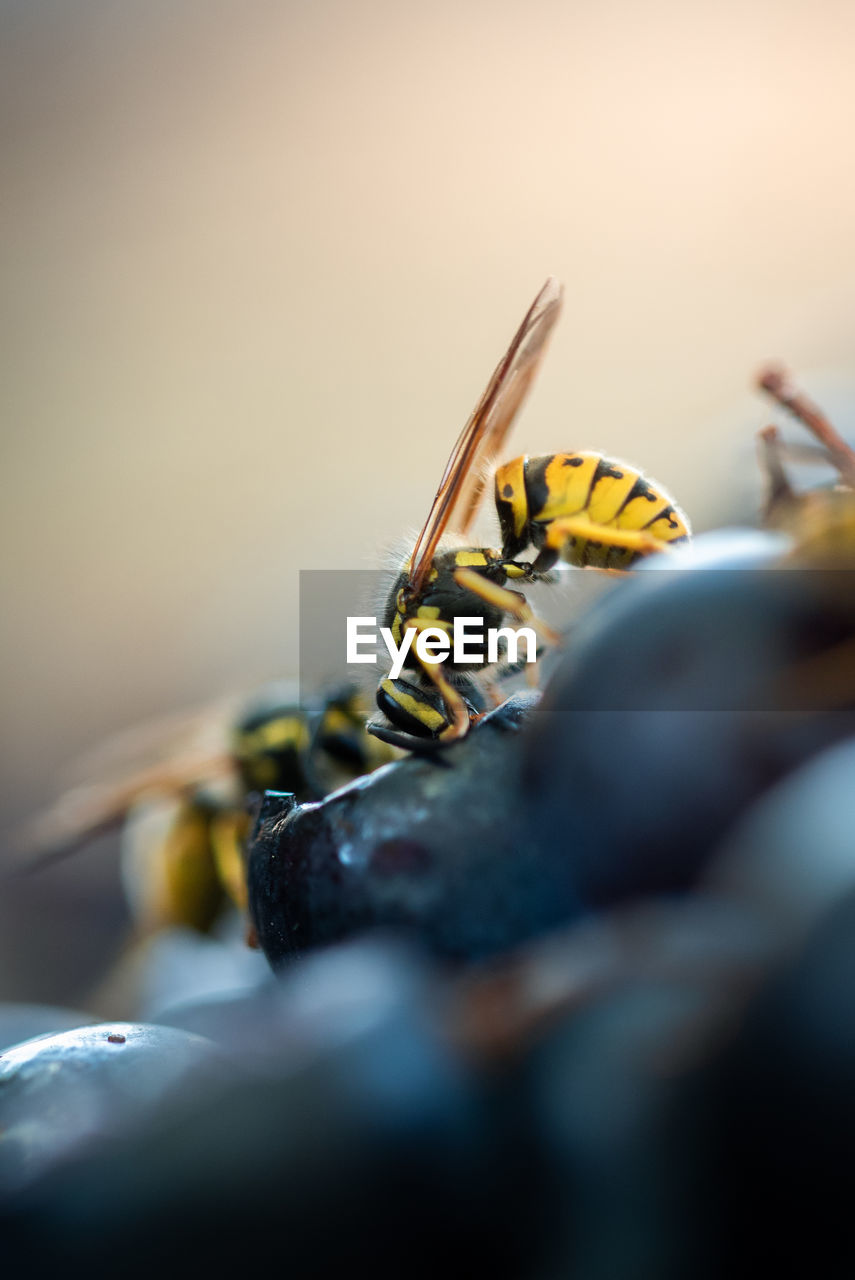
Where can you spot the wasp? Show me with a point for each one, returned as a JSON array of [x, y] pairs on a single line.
[[583, 508], [185, 818]]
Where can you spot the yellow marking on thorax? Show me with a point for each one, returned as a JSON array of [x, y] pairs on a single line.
[[425, 615], [275, 734], [429, 621], [567, 487], [335, 721], [510, 487], [464, 559]]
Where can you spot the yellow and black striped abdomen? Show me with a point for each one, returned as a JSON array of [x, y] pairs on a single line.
[[604, 491]]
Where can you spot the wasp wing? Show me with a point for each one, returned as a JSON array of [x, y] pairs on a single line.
[[166, 756], [462, 484], [153, 741]]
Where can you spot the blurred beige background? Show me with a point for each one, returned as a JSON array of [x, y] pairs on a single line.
[[259, 259]]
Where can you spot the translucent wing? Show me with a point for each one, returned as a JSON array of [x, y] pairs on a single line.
[[165, 756], [462, 483], [199, 729]]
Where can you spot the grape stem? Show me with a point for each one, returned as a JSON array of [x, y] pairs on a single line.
[[776, 382]]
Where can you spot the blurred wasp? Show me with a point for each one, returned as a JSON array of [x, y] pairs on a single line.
[[822, 519], [583, 508], [185, 818]]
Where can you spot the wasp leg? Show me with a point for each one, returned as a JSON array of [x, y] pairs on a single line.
[[490, 684], [566, 527], [455, 704], [511, 602], [405, 741], [459, 717], [506, 670], [490, 687]]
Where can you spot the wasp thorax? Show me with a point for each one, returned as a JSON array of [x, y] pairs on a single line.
[[442, 599], [512, 506]]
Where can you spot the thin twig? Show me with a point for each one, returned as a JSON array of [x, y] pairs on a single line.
[[775, 381]]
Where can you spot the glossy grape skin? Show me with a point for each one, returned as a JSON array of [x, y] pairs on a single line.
[[668, 716], [363, 1141], [61, 1095], [434, 844], [20, 1021]]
